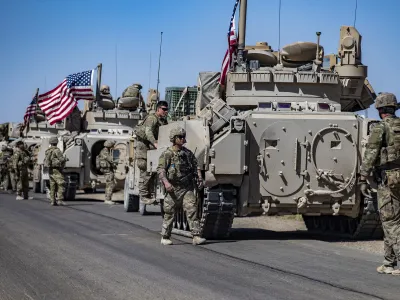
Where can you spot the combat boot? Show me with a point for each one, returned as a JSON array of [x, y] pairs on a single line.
[[19, 197], [166, 241], [198, 240], [396, 272], [53, 203], [60, 202], [385, 269]]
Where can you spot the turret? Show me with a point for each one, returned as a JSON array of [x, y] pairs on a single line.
[[295, 78]]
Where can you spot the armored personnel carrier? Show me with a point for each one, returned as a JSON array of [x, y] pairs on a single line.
[[281, 138], [99, 121]]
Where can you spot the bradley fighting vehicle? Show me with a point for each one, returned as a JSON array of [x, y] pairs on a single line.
[[100, 120], [283, 138]]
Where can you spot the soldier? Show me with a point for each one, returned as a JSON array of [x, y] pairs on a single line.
[[178, 171], [146, 139], [383, 151], [6, 168], [132, 90], [20, 161], [107, 167], [55, 161], [4, 131]]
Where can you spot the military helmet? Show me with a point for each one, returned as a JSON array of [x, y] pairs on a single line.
[[105, 88], [53, 140], [19, 143], [176, 132], [385, 99], [3, 147], [109, 144], [138, 85]]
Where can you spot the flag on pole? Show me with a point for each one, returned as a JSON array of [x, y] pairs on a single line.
[[231, 47], [31, 109], [58, 103]]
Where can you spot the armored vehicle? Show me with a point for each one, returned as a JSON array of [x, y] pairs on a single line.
[[99, 121], [282, 137]]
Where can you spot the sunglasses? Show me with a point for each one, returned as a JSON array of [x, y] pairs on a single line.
[[164, 108], [181, 137]]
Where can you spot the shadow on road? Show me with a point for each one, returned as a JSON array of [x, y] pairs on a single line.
[[246, 234]]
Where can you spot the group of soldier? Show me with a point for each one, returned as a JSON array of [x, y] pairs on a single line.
[[14, 169]]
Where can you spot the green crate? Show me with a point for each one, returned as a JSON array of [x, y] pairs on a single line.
[[187, 105]]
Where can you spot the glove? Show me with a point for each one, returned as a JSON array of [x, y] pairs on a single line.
[[364, 189], [200, 183]]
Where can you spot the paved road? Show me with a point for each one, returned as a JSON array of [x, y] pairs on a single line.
[[88, 250]]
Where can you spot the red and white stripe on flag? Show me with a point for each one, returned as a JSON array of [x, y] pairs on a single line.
[[58, 103]]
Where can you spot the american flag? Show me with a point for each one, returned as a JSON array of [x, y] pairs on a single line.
[[30, 110], [231, 48], [58, 103]]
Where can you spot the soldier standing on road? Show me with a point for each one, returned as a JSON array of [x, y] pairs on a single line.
[[107, 167], [55, 161], [20, 161], [146, 139], [178, 171], [383, 151], [7, 172]]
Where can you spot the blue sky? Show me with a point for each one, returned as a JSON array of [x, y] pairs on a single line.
[[43, 41]]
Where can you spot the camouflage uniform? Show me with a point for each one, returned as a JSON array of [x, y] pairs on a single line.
[[3, 131], [7, 172], [149, 136], [383, 152], [56, 165], [107, 167], [179, 168], [20, 161]]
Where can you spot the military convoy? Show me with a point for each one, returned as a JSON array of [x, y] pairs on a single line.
[[282, 138]]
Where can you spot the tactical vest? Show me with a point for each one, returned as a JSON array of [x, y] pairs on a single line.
[[180, 170], [101, 163], [140, 129], [390, 152], [5, 160]]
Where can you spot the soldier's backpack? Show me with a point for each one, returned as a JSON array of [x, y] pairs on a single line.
[[47, 159]]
